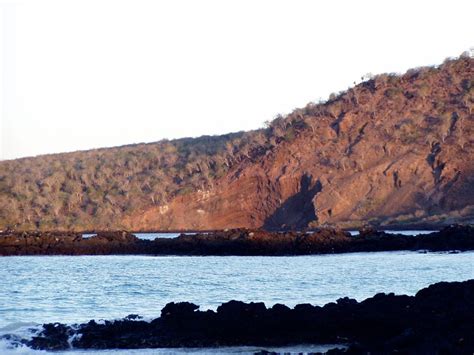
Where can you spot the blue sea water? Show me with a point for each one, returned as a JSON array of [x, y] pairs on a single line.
[[402, 232], [147, 236], [71, 289]]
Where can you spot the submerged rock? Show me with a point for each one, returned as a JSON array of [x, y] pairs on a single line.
[[438, 319]]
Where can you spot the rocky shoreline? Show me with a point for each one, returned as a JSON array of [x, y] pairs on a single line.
[[438, 319], [234, 242]]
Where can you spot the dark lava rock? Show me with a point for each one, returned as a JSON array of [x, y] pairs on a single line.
[[234, 242], [439, 319], [54, 337]]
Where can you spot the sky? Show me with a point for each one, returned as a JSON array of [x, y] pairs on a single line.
[[86, 74]]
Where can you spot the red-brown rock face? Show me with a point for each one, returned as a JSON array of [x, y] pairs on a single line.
[[390, 150]]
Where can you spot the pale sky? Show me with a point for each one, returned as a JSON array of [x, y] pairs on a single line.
[[86, 74]]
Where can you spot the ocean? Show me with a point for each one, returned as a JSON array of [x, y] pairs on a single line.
[[72, 289]]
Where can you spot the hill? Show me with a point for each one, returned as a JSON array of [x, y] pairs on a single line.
[[395, 149]]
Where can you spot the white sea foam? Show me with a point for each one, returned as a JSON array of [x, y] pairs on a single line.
[[12, 336]]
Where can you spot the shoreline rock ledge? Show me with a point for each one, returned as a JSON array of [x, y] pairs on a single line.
[[233, 242], [439, 319]]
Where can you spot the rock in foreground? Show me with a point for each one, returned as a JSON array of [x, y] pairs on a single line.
[[234, 242], [437, 320]]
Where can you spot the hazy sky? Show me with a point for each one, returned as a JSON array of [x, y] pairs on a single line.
[[85, 74]]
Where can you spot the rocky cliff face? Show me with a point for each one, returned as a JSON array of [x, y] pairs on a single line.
[[393, 149]]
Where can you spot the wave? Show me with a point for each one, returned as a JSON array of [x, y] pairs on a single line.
[[13, 336]]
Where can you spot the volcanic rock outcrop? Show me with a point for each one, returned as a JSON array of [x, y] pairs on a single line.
[[234, 242], [437, 320]]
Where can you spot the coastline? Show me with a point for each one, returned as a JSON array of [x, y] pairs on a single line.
[[437, 317], [234, 242]]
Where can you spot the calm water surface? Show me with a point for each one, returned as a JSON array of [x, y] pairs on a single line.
[[78, 288], [148, 236]]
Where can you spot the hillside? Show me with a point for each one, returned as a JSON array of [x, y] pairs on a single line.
[[391, 150]]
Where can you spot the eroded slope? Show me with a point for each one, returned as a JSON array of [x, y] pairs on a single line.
[[394, 149]]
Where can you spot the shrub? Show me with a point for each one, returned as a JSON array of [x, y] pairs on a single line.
[[393, 93]]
